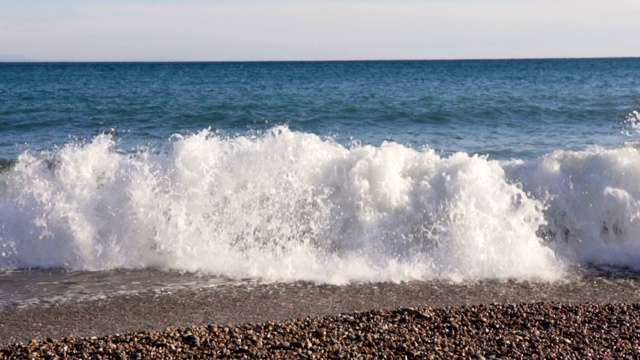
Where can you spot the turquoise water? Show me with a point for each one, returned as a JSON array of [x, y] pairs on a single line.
[[506, 109], [331, 172]]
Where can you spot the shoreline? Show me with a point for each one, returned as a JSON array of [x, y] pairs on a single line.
[[242, 304]]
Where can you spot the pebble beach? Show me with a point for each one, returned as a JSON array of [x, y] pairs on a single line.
[[582, 318], [529, 331]]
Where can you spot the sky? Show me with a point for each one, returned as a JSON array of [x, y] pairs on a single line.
[[252, 30]]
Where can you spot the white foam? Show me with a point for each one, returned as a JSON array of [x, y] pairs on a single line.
[[593, 203], [633, 121], [288, 206]]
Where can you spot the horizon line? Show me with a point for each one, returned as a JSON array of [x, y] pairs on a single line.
[[310, 61]]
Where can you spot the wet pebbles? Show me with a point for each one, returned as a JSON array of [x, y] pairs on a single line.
[[529, 331]]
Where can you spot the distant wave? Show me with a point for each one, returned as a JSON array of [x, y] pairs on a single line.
[[291, 206]]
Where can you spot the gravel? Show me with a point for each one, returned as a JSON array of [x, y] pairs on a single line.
[[527, 330]]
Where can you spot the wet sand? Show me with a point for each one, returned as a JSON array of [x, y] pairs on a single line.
[[240, 304]]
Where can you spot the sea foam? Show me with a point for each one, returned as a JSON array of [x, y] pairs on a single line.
[[290, 206], [592, 203]]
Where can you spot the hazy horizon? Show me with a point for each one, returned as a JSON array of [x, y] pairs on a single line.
[[282, 30], [2, 60]]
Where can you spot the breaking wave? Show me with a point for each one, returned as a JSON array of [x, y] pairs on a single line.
[[291, 206]]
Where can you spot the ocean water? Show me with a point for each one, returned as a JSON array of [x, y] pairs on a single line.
[[329, 172]]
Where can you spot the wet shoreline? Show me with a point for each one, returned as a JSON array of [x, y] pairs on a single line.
[[255, 303]]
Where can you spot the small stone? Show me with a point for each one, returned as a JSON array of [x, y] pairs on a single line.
[[319, 333], [191, 340]]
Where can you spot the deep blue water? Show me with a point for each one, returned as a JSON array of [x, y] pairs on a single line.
[[504, 108]]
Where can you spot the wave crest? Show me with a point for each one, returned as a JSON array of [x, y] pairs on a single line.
[[292, 206]]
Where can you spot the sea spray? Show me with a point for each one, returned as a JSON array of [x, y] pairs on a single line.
[[593, 203], [632, 123], [282, 206]]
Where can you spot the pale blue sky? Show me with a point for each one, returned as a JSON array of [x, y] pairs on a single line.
[[199, 30]]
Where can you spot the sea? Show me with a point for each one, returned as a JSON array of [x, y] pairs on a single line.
[[117, 178]]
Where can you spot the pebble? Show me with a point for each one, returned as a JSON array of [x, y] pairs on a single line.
[[191, 340], [530, 330]]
